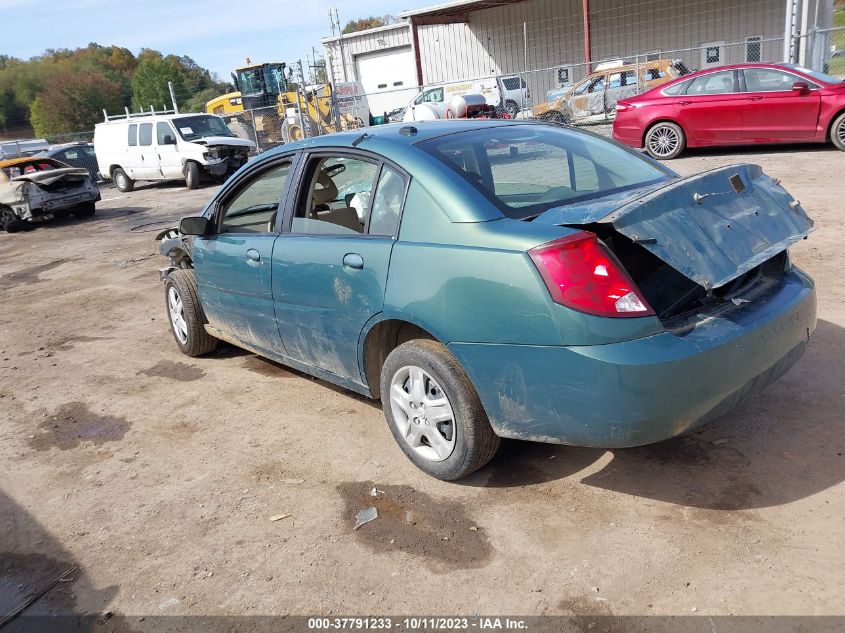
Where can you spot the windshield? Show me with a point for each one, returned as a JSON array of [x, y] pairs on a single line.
[[815, 74], [527, 169], [192, 128], [274, 79]]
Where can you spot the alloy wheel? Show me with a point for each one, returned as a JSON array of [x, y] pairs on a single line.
[[177, 315], [422, 413], [840, 133], [663, 141]]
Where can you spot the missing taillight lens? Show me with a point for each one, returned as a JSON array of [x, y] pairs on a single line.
[[581, 274]]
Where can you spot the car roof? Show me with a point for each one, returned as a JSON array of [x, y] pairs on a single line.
[[393, 133], [147, 117], [21, 161]]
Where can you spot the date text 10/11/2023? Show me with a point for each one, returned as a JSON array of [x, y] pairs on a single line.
[[416, 623]]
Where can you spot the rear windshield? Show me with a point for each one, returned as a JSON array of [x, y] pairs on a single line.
[[30, 167], [527, 169], [192, 128]]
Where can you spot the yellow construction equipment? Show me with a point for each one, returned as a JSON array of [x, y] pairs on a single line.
[[279, 111]]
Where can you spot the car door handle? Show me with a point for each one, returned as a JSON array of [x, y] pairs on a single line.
[[253, 255], [353, 260], [753, 98], [684, 102]]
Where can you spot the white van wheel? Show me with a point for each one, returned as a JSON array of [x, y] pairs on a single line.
[[122, 181], [192, 175]]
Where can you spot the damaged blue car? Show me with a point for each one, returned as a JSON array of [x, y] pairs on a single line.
[[487, 280]]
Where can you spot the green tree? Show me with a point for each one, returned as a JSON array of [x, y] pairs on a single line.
[[73, 102], [368, 23], [149, 82]]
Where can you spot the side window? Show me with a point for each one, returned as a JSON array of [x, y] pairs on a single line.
[[654, 73], [629, 78], [133, 135], [163, 133], [434, 96], [70, 154], [387, 202], [582, 87], [336, 196], [615, 81], [712, 84], [145, 134], [676, 89], [768, 80], [253, 208], [597, 85]]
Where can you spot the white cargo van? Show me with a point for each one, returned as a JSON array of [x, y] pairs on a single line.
[[508, 93], [167, 146]]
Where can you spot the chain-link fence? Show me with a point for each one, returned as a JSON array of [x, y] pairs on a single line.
[[579, 94]]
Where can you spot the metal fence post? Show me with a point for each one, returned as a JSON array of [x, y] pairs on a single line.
[[254, 131]]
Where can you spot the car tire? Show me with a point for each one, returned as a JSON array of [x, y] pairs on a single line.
[[85, 210], [837, 132], [460, 440], [512, 108], [665, 140], [192, 175], [123, 182], [10, 222], [185, 314]]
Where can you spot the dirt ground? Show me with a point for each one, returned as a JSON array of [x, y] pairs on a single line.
[[157, 475]]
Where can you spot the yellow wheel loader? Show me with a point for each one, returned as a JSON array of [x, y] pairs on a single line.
[[282, 113]]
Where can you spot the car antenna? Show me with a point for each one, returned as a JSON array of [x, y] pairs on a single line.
[[360, 139]]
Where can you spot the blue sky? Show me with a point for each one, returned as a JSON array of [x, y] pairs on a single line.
[[218, 34]]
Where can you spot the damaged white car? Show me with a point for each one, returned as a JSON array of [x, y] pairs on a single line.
[[37, 189]]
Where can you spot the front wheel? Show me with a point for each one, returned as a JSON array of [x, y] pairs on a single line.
[[665, 141], [837, 132], [192, 175], [186, 316], [434, 412]]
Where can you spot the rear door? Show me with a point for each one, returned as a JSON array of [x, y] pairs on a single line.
[[330, 264], [772, 111], [710, 109], [233, 266]]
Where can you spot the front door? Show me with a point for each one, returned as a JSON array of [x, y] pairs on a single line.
[[330, 265], [773, 111], [710, 110], [167, 153], [234, 265]]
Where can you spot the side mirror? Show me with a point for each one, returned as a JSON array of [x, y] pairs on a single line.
[[801, 87], [195, 225], [169, 140]]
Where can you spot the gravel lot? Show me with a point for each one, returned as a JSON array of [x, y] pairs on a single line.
[[157, 475]]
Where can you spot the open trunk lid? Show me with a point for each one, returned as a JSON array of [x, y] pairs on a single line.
[[712, 228]]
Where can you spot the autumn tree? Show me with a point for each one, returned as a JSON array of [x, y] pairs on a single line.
[[149, 82], [371, 22], [73, 102]]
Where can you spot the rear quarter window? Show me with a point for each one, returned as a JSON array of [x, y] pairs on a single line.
[[676, 89]]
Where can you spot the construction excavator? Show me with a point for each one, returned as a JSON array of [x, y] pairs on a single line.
[[281, 111]]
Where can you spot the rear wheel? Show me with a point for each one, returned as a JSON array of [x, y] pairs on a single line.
[[555, 117], [434, 412], [185, 313], [85, 210], [837, 132], [665, 140], [192, 175], [122, 181], [512, 108], [10, 222]]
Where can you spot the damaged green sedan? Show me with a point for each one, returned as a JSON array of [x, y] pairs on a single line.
[[487, 280]]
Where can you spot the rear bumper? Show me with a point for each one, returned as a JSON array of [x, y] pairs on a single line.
[[645, 390], [630, 136]]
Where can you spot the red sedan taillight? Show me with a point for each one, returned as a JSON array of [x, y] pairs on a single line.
[[621, 106], [581, 274]]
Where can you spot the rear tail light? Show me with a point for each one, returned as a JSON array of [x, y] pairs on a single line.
[[623, 107], [581, 274]]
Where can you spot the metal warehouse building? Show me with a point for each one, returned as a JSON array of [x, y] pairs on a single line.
[[552, 42]]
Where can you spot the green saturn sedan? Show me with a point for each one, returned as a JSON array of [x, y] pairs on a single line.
[[486, 279]]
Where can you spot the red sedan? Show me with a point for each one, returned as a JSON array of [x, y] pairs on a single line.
[[734, 105]]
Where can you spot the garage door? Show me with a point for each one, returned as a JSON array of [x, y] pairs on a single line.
[[388, 77]]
